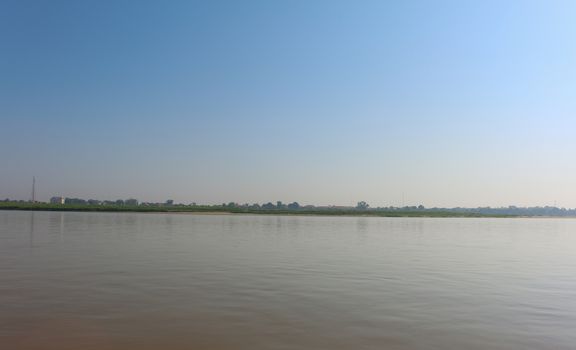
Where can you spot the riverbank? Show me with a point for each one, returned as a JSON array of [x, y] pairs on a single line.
[[225, 210]]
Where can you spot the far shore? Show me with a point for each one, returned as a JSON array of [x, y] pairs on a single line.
[[211, 210], [227, 210]]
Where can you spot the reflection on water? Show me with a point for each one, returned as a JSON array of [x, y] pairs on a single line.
[[174, 281], [31, 229]]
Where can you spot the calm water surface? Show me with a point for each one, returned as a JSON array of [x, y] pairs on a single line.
[[175, 281]]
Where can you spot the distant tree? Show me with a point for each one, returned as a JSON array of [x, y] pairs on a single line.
[[294, 206], [131, 201], [280, 205], [268, 206], [74, 201], [421, 207], [362, 205]]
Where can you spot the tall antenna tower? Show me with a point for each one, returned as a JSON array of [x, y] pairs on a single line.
[[33, 189]]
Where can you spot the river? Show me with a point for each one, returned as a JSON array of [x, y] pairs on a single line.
[[185, 281]]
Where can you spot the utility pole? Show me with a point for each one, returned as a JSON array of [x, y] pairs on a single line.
[[33, 189]]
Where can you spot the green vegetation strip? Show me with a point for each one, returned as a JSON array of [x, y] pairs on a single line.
[[226, 210]]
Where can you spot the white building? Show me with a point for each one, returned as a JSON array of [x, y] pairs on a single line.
[[57, 200]]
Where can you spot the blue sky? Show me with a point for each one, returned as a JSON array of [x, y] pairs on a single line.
[[442, 103]]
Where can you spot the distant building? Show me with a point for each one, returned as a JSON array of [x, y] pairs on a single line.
[[57, 200]]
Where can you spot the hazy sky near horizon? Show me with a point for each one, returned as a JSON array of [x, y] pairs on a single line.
[[442, 103]]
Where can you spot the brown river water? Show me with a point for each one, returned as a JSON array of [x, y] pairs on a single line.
[[173, 281]]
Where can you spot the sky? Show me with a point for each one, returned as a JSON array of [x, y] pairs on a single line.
[[439, 103]]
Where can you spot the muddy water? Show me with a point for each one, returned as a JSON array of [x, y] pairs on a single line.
[[174, 281]]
